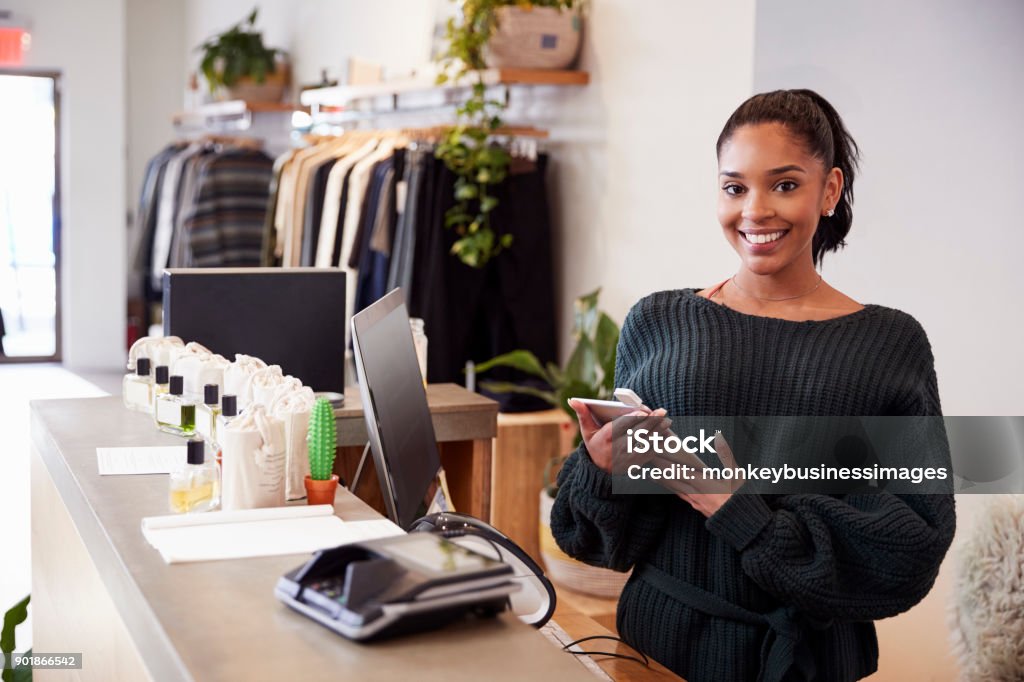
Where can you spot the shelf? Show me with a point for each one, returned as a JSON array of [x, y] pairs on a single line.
[[342, 95], [230, 109]]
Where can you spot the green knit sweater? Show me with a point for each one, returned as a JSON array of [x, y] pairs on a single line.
[[822, 567]]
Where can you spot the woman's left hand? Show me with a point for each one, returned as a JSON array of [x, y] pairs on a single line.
[[707, 497]]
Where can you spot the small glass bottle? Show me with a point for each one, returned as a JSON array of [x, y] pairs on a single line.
[[207, 413], [173, 412], [137, 388], [419, 339], [195, 486], [228, 413], [160, 382]]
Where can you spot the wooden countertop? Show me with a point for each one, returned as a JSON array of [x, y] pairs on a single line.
[[219, 620], [458, 415]]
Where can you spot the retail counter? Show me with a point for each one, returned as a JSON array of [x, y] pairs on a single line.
[[100, 589]]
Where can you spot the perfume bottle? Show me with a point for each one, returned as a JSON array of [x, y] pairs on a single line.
[[228, 413], [207, 413], [195, 486], [160, 382], [137, 388], [173, 412]]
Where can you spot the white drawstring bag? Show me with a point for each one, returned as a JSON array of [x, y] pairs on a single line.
[[293, 406], [253, 461], [238, 378], [264, 382], [161, 350], [199, 366]]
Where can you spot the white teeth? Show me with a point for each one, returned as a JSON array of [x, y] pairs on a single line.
[[762, 238]]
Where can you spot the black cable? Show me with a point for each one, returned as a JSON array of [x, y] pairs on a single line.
[[646, 661]]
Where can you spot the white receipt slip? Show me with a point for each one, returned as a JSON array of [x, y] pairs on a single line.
[[299, 529], [140, 460]]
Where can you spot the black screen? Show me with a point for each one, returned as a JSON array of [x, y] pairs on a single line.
[[290, 317], [395, 403]]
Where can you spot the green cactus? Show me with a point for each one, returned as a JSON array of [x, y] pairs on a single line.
[[322, 438]]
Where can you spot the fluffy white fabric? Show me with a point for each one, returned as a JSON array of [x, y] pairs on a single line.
[[987, 609]]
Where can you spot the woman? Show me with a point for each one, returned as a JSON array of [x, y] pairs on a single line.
[[740, 586]]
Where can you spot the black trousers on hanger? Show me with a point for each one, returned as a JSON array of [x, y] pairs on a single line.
[[478, 313]]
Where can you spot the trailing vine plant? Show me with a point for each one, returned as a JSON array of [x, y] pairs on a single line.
[[467, 149]]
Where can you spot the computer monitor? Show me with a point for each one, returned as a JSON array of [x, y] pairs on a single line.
[[292, 317], [395, 405]]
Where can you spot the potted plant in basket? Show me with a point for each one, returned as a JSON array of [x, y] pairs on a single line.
[[322, 439], [590, 373], [492, 33], [237, 65]]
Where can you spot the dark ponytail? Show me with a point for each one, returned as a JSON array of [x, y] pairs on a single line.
[[810, 118]]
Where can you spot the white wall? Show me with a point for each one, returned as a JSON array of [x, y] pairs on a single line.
[[634, 182], [155, 34], [930, 91], [323, 34], [87, 47]]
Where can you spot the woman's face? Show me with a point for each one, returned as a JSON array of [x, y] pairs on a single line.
[[770, 188]]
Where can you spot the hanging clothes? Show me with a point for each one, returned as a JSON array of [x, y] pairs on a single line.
[[373, 204], [203, 203]]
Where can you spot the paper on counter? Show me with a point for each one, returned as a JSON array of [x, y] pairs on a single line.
[[271, 531], [140, 460]]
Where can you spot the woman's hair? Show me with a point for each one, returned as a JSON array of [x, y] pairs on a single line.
[[811, 119]]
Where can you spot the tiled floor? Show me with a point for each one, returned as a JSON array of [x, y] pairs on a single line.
[[20, 384]]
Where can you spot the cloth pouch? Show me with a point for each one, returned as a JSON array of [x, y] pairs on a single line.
[[161, 350], [238, 378], [293, 406], [253, 461], [199, 366]]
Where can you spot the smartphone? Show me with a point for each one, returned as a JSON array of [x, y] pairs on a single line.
[[605, 411]]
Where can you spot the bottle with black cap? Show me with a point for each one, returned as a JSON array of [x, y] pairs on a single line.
[[160, 382], [195, 485], [137, 387], [174, 413], [228, 413], [207, 413]]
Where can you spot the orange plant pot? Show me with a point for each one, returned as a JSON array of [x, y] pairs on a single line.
[[321, 492]]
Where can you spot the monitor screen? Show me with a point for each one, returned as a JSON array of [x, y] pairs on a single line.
[[292, 317], [395, 404]]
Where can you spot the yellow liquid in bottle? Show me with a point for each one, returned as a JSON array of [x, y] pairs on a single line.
[[184, 500]]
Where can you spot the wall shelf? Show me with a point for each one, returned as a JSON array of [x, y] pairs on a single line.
[[237, 113], [343, 95]]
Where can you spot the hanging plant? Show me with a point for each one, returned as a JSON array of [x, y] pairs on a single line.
[[468, 149]]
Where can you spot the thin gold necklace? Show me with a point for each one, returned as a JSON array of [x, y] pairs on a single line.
[[784, 298]]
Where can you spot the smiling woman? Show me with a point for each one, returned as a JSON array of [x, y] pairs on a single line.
[[786, 168], [732, 585]]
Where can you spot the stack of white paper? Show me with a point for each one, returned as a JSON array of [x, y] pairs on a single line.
[[299, 529]]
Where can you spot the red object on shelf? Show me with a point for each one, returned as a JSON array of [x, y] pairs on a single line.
[[13, 42]]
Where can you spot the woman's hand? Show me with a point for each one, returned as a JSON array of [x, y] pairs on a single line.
[[599, 438], [707, 497]]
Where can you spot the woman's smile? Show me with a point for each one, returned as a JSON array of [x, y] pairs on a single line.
[[762, 241]]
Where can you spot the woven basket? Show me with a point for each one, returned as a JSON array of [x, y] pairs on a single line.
[[272, 89], [534, 38], [566, 571]]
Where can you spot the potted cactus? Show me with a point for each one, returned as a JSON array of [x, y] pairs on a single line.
[[322, 439]]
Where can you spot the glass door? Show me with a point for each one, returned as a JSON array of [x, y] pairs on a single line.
[[29, 217]]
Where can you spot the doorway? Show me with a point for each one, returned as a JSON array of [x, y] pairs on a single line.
[[29, 217]]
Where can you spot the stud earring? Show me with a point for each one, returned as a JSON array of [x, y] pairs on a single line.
[[829, 213]]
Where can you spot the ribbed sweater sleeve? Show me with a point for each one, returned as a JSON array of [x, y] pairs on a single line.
[[859, 557], [589, 522]]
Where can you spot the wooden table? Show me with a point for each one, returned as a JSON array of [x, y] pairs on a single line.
[[100, 589], [464, 424]]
